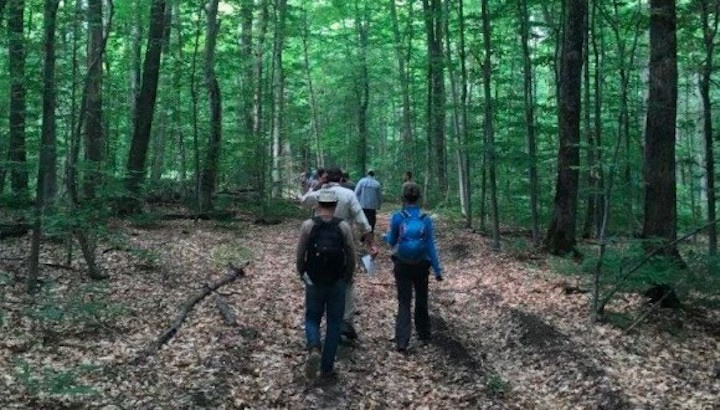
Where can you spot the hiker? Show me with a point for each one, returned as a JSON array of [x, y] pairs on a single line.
[[407, 178], [347, 182], [369, 193], [318, 180], [349, 210], [411, 235], [325, 261]]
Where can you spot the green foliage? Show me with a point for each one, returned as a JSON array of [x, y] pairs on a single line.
[[86, 304], [496, 385], [233, 253], [55, 382], [278, 208]]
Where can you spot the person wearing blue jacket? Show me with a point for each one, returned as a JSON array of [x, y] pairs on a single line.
[[412, 273]]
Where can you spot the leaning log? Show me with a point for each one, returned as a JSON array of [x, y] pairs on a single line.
[[190, 302]]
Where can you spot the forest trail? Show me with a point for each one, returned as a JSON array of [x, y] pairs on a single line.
[[505, 336]]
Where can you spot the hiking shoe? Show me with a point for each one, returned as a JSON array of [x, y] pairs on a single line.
[[327, 378], [312, 365], [349, 331]]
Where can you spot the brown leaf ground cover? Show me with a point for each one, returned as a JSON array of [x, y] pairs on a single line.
[[505, 335]]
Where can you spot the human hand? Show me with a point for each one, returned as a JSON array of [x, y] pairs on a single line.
[[374, 251]]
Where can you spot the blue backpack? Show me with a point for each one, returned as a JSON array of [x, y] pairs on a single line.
[[412, 246]]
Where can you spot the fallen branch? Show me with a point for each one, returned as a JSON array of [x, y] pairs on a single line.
[[13, 231], [225, 310], [186, 307]]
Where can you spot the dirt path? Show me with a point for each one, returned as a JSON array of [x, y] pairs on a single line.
[[504, 335]]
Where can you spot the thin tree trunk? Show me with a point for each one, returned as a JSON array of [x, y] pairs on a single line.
[[313, 97], [401, 56], [436, 91], [560, 238], [659, 166], [362, 86], [709, 30], [489, 124], [278, 131], [259, 99], [529, 98], [195, 125], [17, 154], [46, 166], [94, 124], [145, 106], [209, 174]]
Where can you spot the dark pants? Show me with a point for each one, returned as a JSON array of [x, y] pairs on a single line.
[[407, 278], [318, 300], [371, 215]]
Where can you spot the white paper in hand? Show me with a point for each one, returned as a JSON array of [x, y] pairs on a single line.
[[369, 265], [307, 280]]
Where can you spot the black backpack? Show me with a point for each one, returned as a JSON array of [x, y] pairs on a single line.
[[325, 253]]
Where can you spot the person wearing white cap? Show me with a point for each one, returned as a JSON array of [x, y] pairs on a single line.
[[325, 261]]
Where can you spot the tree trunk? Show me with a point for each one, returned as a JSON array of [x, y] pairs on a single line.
[[195, 122], [489, 124], [209, 174], [313, 98], [529, 98], [709, 30], [401, 55], [17, 154], [278, 131], [246, 57], [259, 100], [94, 124], [135, 59], [560, 237], [659, 166], [145, 106], [46, 179], [436, 90], [362, 86]]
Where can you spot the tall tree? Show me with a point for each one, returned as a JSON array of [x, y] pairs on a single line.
[[145, 105], [433, 12], [362, 83], [402, 55], [18, 90], [94, 124], [529, 98], [659, 165], [278, 117], [709, 29], [47, 174], [209, 174], [489, 125], [560, 237]]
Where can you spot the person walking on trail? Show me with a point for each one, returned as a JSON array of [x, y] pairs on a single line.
[[411, 234], [319, 180], [325, 261], [407, 178], [369, 194], [349, 210]]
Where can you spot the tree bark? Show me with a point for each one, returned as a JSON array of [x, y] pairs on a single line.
[[209, 174], [436, 90], [401, 55], [94, 124], [659, 166], [17, 154], [362, 86], [529, 98], [278, 131], [145, 106], [710, 30], [46, 179], [560, 237], [489, 125], [313, 99]]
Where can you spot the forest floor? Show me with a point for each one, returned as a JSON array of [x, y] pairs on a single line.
[[505, 333]]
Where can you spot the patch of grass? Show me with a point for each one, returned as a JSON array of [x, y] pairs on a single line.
[[88, 303], [496, 385], [55, 382], [620, 320], [233, 253]]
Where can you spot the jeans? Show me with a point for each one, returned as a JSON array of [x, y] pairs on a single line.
[[407, 278], [320, 299], [371, 215]]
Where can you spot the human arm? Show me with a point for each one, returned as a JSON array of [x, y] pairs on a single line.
[[432, 250], [309, 200], [392, 236], [302, 246], [349, 250]]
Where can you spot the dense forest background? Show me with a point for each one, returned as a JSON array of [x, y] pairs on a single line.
[[568, 119]]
